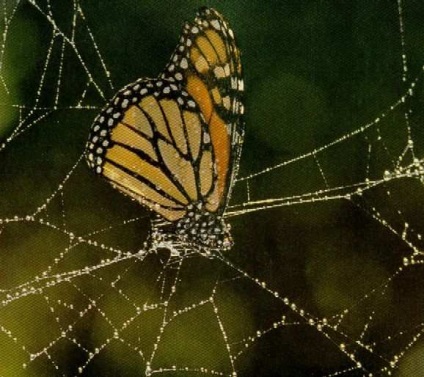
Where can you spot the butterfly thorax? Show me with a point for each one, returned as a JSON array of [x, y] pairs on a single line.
[[198, 231]]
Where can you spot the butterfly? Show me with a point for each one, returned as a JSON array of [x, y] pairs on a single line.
[[173, 143]]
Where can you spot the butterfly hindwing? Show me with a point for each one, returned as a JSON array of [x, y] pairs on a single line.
[[152, 143]]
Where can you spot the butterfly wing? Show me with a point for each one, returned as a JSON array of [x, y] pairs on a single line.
[[174, 142], [206, 62], [152, 143]]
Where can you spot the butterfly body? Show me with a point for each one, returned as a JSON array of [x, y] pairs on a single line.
[[173, 143], [199, 230]]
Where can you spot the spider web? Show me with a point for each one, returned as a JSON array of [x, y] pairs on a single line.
[[326, 275]]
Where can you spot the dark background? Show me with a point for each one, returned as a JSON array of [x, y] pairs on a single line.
[[314, 71]]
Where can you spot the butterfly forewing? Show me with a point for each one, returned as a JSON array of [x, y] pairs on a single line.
[[207, 64]]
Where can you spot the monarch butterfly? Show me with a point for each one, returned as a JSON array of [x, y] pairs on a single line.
[[173, 143]]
